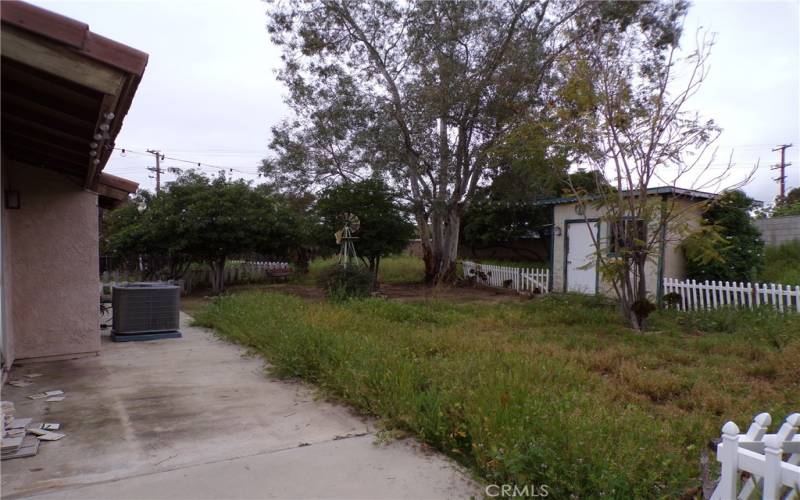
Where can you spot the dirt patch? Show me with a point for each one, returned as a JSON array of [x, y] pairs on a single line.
[[402, 292], [417, 291]]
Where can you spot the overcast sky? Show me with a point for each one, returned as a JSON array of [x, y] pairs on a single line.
[[209, 93]]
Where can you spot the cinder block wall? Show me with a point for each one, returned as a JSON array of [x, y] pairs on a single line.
[[778, 230]]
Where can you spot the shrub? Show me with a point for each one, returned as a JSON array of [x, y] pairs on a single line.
[[738, 253], [782, 264], [342, 283]]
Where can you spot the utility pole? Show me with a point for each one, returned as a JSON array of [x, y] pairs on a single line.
[[157, 168], [782, 167]]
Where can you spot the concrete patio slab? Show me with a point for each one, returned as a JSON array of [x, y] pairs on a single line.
[[198, 418]]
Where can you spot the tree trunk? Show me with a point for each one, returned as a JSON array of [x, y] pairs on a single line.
[[301, 260], [375, 267], [440, 249], [634, 293], [217, 275]]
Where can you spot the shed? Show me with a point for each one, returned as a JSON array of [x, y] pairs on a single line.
[[576, 226]]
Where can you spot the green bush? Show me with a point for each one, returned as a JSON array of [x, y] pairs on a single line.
[[782, 264], [342, 283], [738, 251]]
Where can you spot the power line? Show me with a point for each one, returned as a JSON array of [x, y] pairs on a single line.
[[191, 162], [157, 168], [782, 167]]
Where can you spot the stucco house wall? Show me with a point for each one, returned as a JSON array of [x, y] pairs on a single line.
[[691, 214], [52, 262], [674, 265], [6, 321]]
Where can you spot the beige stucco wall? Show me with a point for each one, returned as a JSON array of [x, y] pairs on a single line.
[[51, 265], [688, 215], [674, 266], [6, 323]]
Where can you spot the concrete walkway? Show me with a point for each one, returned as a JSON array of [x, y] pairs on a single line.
[[197, 418]]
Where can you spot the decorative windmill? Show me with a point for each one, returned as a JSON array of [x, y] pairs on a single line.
[[344, 238]]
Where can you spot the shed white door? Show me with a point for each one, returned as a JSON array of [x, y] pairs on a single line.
[[581, 265]]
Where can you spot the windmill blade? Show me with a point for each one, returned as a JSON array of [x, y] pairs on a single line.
[[351, 220]]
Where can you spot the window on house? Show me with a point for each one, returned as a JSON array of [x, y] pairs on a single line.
[[626, 235]]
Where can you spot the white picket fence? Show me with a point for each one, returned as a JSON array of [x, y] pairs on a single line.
[[237, 272], [712, 295], [520, 279], [771, 461]]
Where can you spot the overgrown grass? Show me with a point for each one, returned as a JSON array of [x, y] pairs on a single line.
[[393, 269], [555, 391], [782, 264]]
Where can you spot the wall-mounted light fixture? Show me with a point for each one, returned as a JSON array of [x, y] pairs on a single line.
[[101, 137], [557, 230], [12, 199]]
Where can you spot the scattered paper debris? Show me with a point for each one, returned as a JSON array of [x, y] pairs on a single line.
[[54, 399], [33, 375], [20, 423], [20, 383], [37, 432], [51, 426], [29, 448], [11, 444], [54, 393], [39, 395], [7, 410], [51, 436], [15, 432]]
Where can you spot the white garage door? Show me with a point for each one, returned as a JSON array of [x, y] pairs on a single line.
[[581, 257]]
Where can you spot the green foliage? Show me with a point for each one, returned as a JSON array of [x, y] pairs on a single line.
[[789, 205], [384, 228], [198, 219], [738, 253], [782, 264], [368, 81], [343, 283], [490, 221], [122, 232], [506, 210], [554, 391], [705, 244]]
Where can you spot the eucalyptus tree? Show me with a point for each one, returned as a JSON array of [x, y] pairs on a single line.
[[418, 92]]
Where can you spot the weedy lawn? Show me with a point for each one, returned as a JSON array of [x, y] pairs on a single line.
[[554, 391]]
